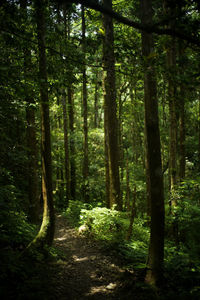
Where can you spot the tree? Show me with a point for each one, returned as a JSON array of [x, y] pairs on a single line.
[[32, 151], [154, 273], [66, 146], [110, 110], [67, 26], [46, 232], [85, 117]]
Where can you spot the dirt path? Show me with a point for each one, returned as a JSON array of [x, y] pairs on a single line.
[[85, 272]]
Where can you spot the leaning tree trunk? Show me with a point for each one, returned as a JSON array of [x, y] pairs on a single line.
[[46, 233], [111, 108], [156, 249]]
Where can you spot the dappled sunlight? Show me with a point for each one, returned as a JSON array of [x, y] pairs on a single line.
[[103, 289], [79, 259]]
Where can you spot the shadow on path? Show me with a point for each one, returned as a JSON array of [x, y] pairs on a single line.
[[84, 272]]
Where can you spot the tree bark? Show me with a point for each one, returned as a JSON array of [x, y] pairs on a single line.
[[182, 120], [85, 116], [66, 147], [132, 216], [111, 108], [173, 120], [154, 273], [46, 233], [67, 25], [96, 96], [32, 150], [72, 143], [107, 177]]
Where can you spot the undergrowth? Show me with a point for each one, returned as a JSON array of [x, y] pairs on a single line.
[[182, 264]]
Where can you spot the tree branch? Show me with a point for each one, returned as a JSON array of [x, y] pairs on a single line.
[[150, 28]]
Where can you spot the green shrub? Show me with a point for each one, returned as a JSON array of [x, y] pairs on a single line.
[[105, 224], [73, 211]]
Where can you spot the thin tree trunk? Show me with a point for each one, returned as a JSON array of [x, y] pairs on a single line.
[[132, 216], [154, 273], [85, 116], [72, 143], [46, 233], [182, 121], [121, 149], [127, 204], [66, 147], [111, 108], [67, 25], [107, 177], [173, 120], [96, 98]]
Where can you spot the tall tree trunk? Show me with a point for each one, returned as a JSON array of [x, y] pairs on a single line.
[[173, 120], [59, 168], [107, 177], [182, 120], [67, 25], [46, 233], [154, 273], [171, 64], [33, 190], [199, 132], [96, 101], [120, 139], [111, 108], [32, 151], [127, 203], [85, 116], [66, 147], [72, 143]]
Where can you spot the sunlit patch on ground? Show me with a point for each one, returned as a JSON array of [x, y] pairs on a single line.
[[102, 289]]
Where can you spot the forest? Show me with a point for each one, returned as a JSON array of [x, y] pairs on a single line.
[[100, 149]]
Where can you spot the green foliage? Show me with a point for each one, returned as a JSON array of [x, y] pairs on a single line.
[[111, 226], [15, 234], [182, 272], [187, 216], [73, 211], [105, 224]]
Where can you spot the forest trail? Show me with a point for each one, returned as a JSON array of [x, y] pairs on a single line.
[[85, 271]]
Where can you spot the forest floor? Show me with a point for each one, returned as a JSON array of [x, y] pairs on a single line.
[[87, 271]]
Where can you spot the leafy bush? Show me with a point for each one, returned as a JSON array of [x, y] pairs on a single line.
[[105, 224], [15, 234], [187, 216], [111, 226], [73, 211]]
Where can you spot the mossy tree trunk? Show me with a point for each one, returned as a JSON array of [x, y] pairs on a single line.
[[46, 232]]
